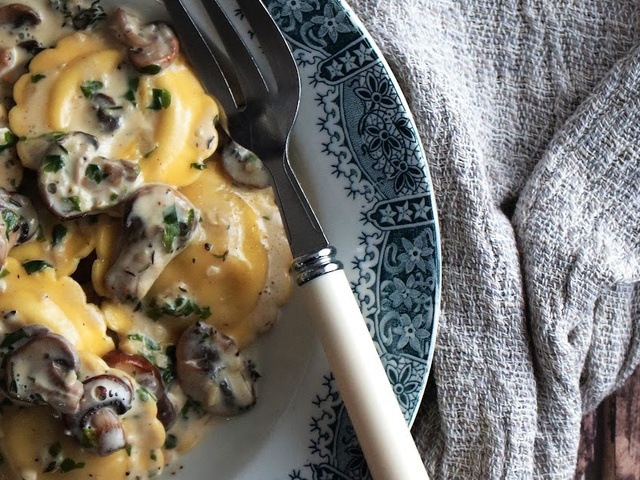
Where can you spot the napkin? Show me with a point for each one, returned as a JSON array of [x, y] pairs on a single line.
[[529, 112]]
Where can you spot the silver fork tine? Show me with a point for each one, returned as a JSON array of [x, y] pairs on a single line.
[[227, 86], [271, 40], [248, 73]]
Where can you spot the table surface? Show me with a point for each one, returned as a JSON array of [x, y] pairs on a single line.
[[610, 443]]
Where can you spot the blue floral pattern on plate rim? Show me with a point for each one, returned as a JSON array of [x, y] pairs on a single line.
[[375, 148]]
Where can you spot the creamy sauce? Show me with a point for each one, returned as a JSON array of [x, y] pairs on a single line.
[[172, 241]]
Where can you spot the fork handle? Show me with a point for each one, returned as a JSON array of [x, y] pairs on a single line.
[[379, 424]]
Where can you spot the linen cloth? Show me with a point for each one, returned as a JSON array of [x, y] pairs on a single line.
[[529, 112]]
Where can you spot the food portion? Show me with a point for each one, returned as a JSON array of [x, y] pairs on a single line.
[[141, 250]]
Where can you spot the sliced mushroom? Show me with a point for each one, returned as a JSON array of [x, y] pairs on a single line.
[[32, 47], [242, 165], [40, 368], [97, 423], [159, 222], [147, 375], [11, 170], [18, 221], [108, 116], [18, 15], [152, 47], [74, 181], [212, 372]]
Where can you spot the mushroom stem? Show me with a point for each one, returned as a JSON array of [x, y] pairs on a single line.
[[97, 424]]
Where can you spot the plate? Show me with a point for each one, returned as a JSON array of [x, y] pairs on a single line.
[[358, 156]]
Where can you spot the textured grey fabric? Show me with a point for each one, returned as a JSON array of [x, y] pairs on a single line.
[[530, 115]]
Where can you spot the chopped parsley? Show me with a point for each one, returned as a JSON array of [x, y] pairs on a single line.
[[79, 17], [150, 69], [4, 272], [171, 442], [145, 395], [130, 94], [58, 234], [171, 228], [146, 341], [14, 337], [90, 88], [10, 139], [53, 163], [180, 307], [68, 464], [198, 166], [160, 99], [55, 449], [34, 266], [150, 152], [36, 77], [11, 220], [74, 201], [94, 173]]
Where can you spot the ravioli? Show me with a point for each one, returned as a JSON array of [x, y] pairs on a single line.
[[136, 262], [165, 137]]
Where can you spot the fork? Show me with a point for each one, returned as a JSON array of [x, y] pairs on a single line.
[[261, 100]]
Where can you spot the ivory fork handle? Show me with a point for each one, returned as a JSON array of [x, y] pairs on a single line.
[[379, 424]]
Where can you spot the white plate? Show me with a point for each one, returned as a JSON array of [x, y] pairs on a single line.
[[359, 158]]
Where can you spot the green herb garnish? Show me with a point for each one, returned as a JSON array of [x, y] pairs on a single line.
[[68, 464], [10, 219], [171, 442], [90, 88], [36, 77], [9, 140], [160, 98], [150, 69], [34, 266], [198, 166], [171, 228], [55, 449], [180, 307], [130, 94], [13, 337], [146, 341], [58, 233], [74, 201], [94, 173], [53, 163]]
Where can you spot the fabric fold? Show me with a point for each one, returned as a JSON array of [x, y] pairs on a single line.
[[578, 230], [525, 106]]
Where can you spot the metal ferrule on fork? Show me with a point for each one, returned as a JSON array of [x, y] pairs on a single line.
[[312, 265]]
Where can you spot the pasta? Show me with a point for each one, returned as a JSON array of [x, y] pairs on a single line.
[[141, 248]]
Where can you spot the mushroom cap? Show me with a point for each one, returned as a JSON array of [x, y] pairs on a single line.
[[18, 221], [212, 372], [96, 423], [152, 47], [159, 222], [147, 375], [74, 181], [242, 165], [41, 369], [19, 14]]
